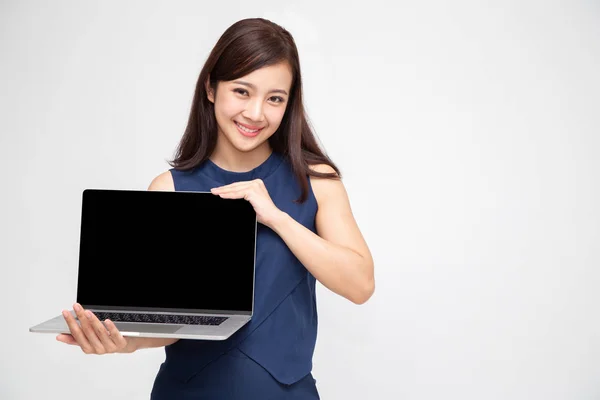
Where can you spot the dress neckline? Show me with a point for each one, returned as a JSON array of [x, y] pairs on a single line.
[[226, 177]]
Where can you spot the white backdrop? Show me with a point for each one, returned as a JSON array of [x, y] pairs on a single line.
[[468, 135]]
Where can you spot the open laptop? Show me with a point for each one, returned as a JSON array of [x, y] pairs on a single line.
[[165, 264]]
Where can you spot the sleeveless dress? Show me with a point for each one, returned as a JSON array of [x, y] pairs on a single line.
[[271, 356]]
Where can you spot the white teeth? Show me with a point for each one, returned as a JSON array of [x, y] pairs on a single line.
[[246, 129]]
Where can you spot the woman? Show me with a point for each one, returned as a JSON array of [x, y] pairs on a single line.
[[248, 137]]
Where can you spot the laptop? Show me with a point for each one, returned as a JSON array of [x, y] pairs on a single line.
[[165, 264]]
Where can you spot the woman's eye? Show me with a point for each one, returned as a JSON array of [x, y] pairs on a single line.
[[241, 91], [274, 99]]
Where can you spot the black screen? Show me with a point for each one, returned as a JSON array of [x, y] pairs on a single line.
[[167, 250]]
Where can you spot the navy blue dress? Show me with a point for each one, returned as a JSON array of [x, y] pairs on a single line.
[[271, 356]]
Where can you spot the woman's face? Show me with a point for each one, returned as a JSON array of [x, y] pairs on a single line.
[[250, 109]]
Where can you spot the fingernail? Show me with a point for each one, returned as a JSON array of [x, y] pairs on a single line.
[[88, 314], [65, 313], [76, 307]]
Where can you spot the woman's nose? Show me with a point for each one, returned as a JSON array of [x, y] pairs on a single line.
[[254, 110]]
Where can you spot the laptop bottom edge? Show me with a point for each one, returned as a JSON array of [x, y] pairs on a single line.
[[223, 331]]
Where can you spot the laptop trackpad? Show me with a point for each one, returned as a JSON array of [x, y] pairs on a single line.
[[152, 328]]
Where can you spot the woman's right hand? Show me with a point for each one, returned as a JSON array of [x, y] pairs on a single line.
[[92, 336]]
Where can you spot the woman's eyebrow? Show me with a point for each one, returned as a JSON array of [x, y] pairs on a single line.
[[251, 86]]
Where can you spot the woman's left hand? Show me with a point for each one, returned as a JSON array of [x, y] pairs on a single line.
[[256, 193]]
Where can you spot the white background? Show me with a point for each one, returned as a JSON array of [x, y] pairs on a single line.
[[468, 136]]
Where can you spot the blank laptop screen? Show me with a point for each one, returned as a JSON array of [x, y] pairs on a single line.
[[166, 250]]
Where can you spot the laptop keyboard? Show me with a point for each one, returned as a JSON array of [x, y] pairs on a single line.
[[160, 318]]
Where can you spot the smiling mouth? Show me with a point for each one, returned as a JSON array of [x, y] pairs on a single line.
[[247, 130]]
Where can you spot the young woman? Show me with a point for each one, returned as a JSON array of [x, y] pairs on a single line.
[[248, 137]]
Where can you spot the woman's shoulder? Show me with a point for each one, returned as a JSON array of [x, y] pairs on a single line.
[[164, 181], [325, 188], [322, 168]]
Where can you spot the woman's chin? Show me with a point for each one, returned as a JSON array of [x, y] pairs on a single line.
[[247, 146]]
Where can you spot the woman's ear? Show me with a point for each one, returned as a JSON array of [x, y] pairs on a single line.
[[210, 93]]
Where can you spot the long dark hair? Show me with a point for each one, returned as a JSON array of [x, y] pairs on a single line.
[[244, 47]]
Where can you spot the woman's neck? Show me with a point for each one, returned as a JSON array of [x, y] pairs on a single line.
[[229, 158]]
